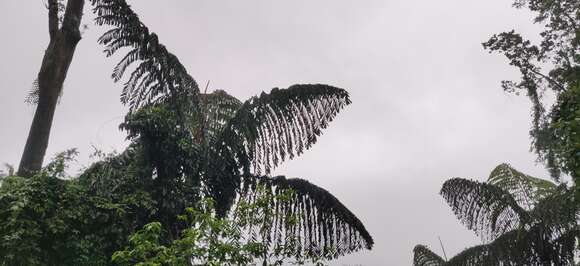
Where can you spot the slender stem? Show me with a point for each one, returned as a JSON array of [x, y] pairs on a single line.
[[442, 248], [560, 86]]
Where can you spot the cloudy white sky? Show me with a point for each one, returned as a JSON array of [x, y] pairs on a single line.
[[427, 105]]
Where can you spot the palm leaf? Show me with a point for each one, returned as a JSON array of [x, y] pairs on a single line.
[[312, 219], [282, 124], [423, 256], [265, 131], [159, 75], [525, 189], [486, 209]]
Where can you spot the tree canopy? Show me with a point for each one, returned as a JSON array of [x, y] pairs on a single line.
[[551, 66]]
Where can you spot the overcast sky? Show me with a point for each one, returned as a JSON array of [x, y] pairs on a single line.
[[427, 104]]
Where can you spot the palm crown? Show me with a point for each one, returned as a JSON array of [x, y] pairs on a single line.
[[211, 144], [523, 220]]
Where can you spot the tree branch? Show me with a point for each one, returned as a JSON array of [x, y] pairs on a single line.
[[52, 18], [72, 18], [547, 78]]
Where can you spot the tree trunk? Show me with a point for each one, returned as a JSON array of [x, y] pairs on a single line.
[[55, 64]]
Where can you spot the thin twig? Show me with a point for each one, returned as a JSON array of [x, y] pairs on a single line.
[[441, 243], [206, 86]]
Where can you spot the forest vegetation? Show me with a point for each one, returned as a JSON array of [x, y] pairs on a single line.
[[195, 186]]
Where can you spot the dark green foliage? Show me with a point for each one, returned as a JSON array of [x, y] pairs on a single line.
[[208, 240], [51, 221], [552, 66], [544, 231], [565, 126], [172, 161], [243, 238], [121, 180], [39, 225], [218, 108]]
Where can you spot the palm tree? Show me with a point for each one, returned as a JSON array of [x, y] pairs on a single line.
[[188, 145], [523, 220]]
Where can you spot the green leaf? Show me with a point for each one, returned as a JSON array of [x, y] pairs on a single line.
[[526, 190]]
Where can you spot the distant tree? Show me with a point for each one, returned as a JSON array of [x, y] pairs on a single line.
[[524, 220], [64, 31], [552, 66]]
